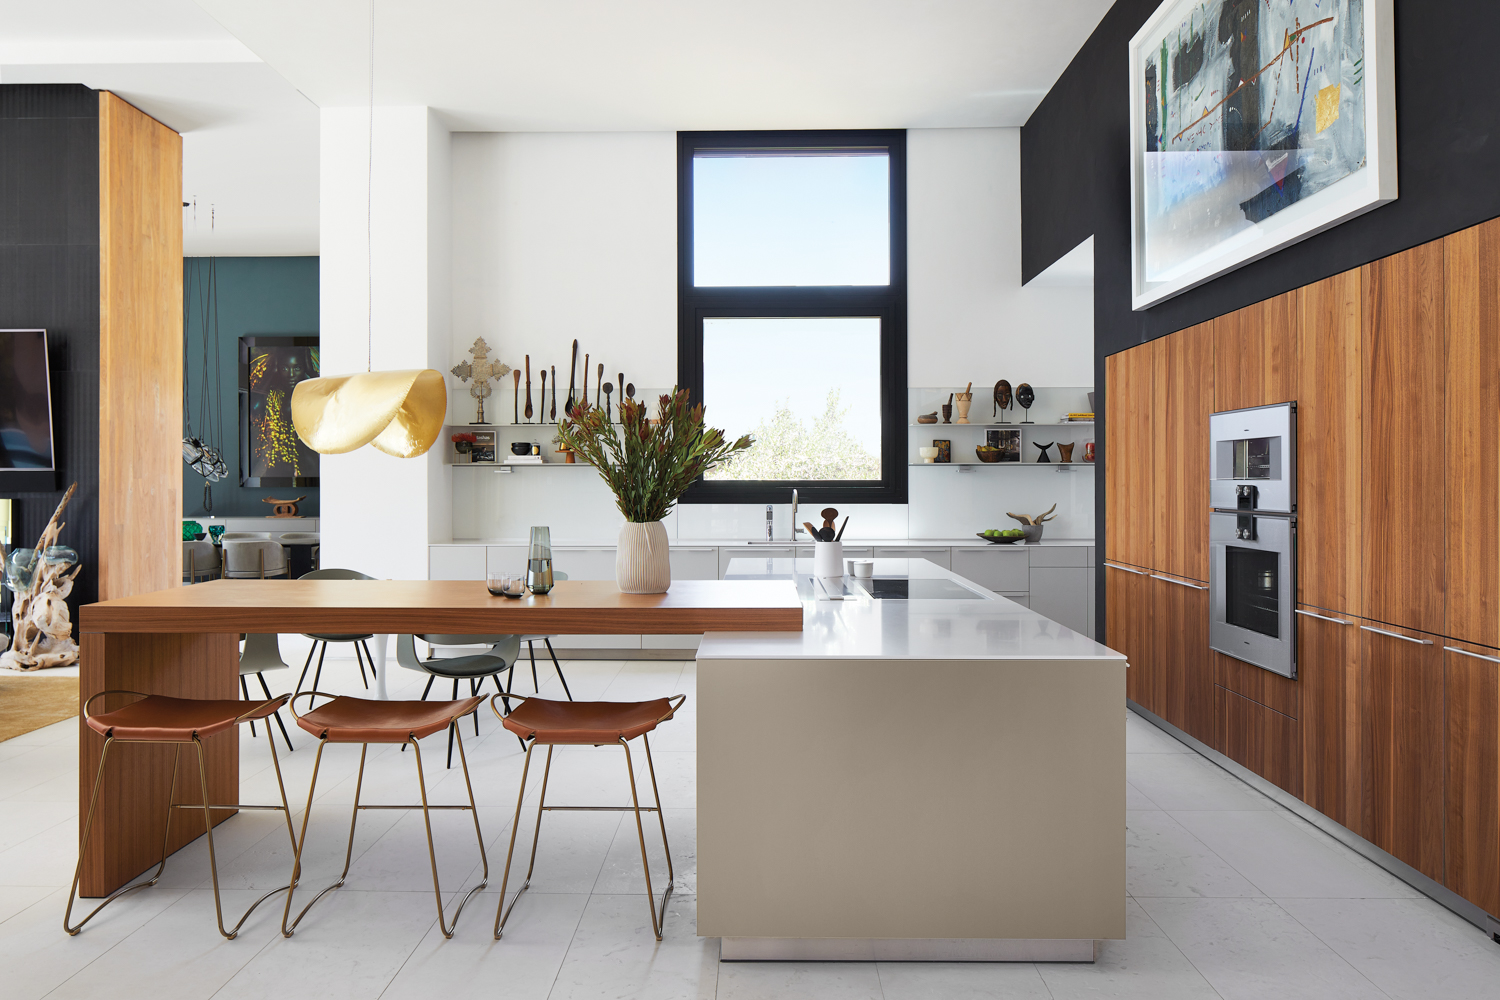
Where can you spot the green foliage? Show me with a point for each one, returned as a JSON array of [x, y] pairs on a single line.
[[788, 450], [648, 464]]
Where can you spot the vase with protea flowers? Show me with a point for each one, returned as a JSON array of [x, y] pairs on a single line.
[[648, 463]]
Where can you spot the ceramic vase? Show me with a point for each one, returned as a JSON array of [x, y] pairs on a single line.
[[642, 565], [828, 559]]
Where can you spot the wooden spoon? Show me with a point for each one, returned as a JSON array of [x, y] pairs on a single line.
[[516, 417], [599, 383], [608, 387]]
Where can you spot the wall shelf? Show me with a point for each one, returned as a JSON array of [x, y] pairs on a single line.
[[1000, 465], [1011, 425]]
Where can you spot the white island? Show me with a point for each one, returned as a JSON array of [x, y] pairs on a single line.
[[935, 777]]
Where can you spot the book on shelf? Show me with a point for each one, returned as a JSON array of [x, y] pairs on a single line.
[[524, 460], [1078, 416]]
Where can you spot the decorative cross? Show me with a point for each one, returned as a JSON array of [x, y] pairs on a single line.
[[481, 370]]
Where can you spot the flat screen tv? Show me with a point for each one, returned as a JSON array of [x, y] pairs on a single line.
[[28, 462]]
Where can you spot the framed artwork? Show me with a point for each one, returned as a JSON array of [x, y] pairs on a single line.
[[1253, 126], [945, 451], [1008, 441], [271, 454]]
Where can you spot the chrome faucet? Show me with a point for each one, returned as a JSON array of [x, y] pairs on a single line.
[[770, 536], [795, 528]]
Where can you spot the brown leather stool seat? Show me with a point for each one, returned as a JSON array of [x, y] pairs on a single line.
[[590, 723], [160, 719], [157, 718], [363, 720], [585, 722], [342, 719]]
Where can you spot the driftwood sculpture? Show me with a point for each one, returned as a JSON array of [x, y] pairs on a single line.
[[42, 580], [1042, 518]]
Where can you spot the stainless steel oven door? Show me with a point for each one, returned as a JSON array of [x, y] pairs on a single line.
[[1252, 587]]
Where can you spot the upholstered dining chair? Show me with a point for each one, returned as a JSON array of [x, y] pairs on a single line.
[[501, 656], [322, 639], [253, 559], [200, 561]]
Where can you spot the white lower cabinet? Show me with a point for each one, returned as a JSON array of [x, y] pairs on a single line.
[[689, 562], [1062, 594], [932, 554], [1003, 569], [455, 562], [589, 562]]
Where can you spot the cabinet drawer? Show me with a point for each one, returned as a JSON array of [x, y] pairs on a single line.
[[932, 554], [1003, 570], [455, 562], [585, 563], [695, 563], [1058, 555], [1261, 739], [592, 642]]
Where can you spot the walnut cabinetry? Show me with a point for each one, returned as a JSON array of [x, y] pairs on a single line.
[[1392, 726]]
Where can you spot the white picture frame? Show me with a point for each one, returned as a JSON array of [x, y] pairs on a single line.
[[1210, 230]]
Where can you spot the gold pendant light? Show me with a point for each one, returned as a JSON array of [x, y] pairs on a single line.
[[401, 413]]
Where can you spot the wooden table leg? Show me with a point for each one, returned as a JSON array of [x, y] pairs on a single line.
[[132, 799]]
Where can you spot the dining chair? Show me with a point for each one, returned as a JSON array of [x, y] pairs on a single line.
[[322, 639], [532, 640], [262, 652], [200, 561], [501, 656], [253, 559]]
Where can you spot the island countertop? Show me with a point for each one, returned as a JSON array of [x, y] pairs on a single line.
[[985, 626]]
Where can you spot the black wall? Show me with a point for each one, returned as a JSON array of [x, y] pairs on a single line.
[[49, 278], [1075, 178]]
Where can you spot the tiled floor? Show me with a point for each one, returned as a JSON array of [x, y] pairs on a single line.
[[1229, 894]]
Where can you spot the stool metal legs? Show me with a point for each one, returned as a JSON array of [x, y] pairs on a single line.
[[658, 915], [287, 928], [208, 809]]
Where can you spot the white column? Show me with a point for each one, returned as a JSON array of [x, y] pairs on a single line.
[[378, 512]]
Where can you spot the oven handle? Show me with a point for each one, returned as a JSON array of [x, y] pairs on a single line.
[[1180, 583], [1336, 621], [1125, 569], [1455, 649], [1396, 635]]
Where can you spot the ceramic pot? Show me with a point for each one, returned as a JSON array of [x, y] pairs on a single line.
[[1032, 533], [642, 565], [828, 559]]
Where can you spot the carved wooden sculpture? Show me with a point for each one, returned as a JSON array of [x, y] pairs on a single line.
[[42, 582]]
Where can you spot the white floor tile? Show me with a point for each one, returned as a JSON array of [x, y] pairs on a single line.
[[960, 980], [1145, 966], [1163, 859], [1285, 857], [1137, 799], [1250, 949], [1188, 781], [1143, 737], [1412, 949], [614, 954], [799, 981]]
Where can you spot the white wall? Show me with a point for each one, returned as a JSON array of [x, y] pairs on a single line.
[[380, 512], [557, 236]]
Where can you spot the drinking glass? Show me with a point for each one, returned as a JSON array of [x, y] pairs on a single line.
[[505, 584], [539, 561]]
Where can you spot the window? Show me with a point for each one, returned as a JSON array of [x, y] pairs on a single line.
[[792, 310]]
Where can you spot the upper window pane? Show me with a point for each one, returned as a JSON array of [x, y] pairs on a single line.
[[786, 218]]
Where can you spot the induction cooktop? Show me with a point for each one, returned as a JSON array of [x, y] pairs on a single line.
[[906, 589]]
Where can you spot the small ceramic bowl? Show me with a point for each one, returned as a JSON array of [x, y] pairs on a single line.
[[520, 447], [987, 454], [929, 455]]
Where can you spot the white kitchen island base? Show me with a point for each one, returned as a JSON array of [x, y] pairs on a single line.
[[919, 780]]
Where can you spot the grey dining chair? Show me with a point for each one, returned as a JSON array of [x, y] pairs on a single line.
[[253, 559], [322, 639], [546, 640], [501, 656], [200, 561], [262, 652]]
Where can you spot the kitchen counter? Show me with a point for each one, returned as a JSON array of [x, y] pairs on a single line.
[[932, 779]]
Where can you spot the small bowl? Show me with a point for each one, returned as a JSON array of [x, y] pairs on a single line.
[[987, 453], [520, 447], [929, 455], [1001, 541], [198, 537]]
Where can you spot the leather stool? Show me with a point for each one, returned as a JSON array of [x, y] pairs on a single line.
[[180, 721], [362, 721], [586, 723]]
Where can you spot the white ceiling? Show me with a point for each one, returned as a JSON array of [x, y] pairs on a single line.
[[243, 81], [587, 65]]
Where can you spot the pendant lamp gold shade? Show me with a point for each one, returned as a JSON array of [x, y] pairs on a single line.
[[401, 413]]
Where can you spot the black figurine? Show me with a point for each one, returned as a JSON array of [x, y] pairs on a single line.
[[1044, 457]]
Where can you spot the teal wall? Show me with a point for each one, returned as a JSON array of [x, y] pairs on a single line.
[[257, 295]]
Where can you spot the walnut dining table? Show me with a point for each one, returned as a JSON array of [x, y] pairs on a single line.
[[184, 642]]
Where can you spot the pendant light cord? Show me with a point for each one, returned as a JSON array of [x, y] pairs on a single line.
[[370, 212]]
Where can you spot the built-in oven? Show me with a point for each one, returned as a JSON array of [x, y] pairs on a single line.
[[1252, 534]]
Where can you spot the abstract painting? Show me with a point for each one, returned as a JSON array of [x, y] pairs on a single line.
[[271, 453], [1254, 124]]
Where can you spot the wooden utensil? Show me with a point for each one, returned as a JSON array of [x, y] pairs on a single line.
[[608, 387], [554, 389], [811, 531], [528, 388], [598, 383], [516, 398], [572, 376], [542, 409], [630, 390], [585, 381], [840, 536]]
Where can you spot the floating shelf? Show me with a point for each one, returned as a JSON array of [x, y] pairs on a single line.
[[1013, 424], [1000, 465]]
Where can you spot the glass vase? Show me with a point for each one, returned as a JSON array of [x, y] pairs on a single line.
[[539, 561]]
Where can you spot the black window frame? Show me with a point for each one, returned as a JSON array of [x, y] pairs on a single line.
[[886, 302]]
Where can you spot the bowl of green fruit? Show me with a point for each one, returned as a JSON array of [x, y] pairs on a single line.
[[997, 536]]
